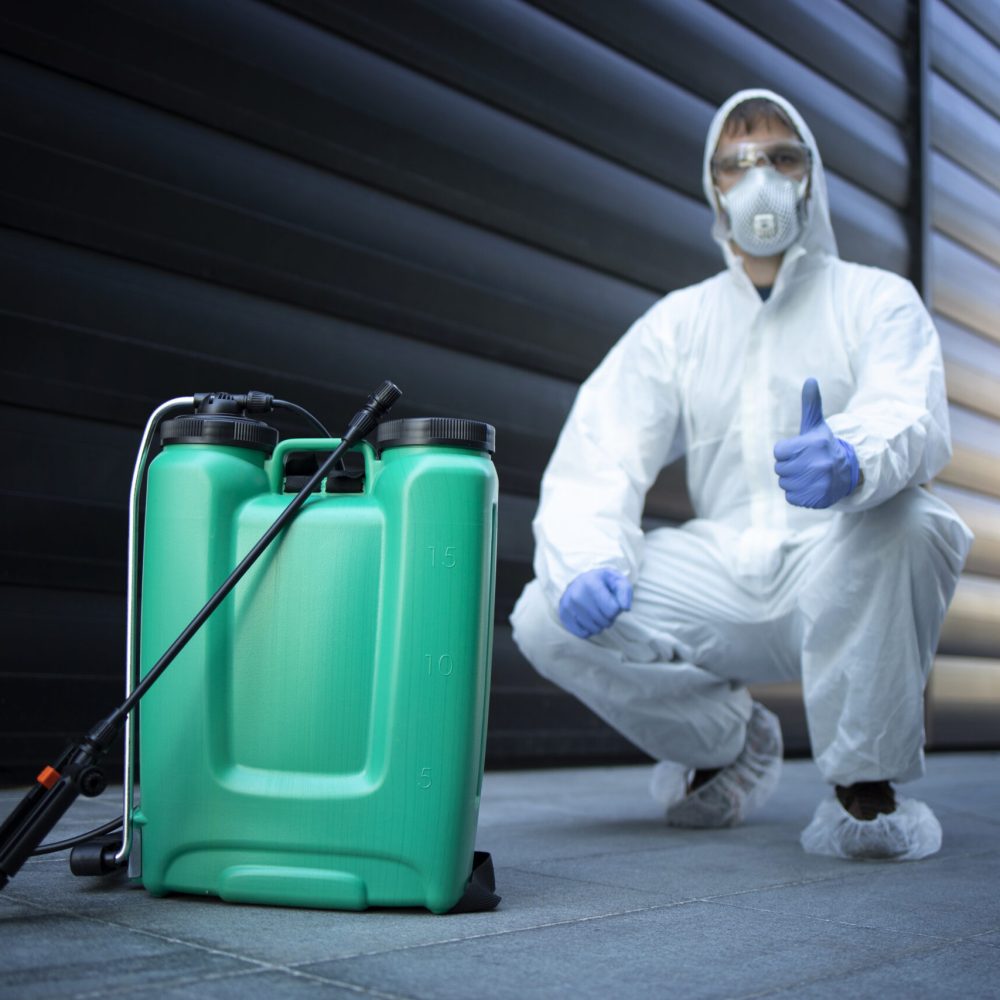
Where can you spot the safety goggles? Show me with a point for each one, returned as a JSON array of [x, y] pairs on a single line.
[[787, 156]]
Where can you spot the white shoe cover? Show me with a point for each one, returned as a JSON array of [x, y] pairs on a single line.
[[736, 791], [908, 834], [668, 783]]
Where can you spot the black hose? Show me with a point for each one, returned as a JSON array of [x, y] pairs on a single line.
[[61, 845], [284, 404]]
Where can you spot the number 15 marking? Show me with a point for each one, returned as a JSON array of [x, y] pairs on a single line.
[[446, 558]]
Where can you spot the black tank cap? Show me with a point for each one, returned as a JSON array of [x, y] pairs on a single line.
[[236, 432], [453, 432]]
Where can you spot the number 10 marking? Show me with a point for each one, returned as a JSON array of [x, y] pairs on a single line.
[[445, 665]]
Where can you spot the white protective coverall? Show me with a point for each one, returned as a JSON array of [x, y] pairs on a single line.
[[849, 599]]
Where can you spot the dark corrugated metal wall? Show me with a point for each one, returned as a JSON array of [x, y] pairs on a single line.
[[475, 199], [963, 187]]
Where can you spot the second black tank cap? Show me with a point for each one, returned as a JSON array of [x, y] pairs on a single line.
[[454, 432]]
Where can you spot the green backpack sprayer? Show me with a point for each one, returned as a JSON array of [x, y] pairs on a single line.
[[320, 738]]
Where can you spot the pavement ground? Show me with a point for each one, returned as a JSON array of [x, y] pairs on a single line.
[[600, 899]]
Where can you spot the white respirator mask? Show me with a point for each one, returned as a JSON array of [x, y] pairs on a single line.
[[764, 211]]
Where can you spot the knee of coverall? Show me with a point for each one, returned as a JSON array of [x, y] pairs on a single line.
[[539, 636], [924, 527], [908, 551]]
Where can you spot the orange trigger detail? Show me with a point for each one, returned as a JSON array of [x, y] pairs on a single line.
[[48, 777]]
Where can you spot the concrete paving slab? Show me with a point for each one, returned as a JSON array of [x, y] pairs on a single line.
[[284, 935], [965, 833], [600, 898], [272, 984], [957, 971], [707, 864], [55, 955], [991, 938], [945, 897], [631, 821], [691, 950]]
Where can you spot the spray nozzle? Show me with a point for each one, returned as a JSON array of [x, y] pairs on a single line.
[[375, 408]]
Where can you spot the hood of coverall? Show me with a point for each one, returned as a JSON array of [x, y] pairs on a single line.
[[817, 230]]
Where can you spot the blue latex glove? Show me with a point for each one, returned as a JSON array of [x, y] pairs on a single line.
[[815, 469], [593, 601]]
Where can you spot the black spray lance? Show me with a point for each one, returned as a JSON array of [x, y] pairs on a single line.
[[77, 771]]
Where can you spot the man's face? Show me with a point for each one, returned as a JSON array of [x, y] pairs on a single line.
[[767, 143]]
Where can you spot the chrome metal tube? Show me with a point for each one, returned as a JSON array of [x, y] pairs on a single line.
[[132, 610]]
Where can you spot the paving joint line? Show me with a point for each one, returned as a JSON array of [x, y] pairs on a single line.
[[667, 905], [706, 898], [672, 904], [830, 920], [290, 971], [506, 932], [59, 911], [169, 983], [260, 965], [843, 975]]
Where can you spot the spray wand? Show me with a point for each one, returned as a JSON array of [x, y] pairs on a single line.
[[77, 771]]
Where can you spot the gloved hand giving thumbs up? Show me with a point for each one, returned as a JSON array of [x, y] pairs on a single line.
[[815, 469]]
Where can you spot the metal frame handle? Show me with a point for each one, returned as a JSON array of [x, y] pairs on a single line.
[[132, 610]]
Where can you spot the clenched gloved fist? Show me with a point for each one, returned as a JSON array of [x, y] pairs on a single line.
[[815, 469], [593, 601]]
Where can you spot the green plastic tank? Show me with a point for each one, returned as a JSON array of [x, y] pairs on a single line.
[[320, 741]]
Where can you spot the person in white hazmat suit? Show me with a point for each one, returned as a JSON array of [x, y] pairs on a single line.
[[808, 397]]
